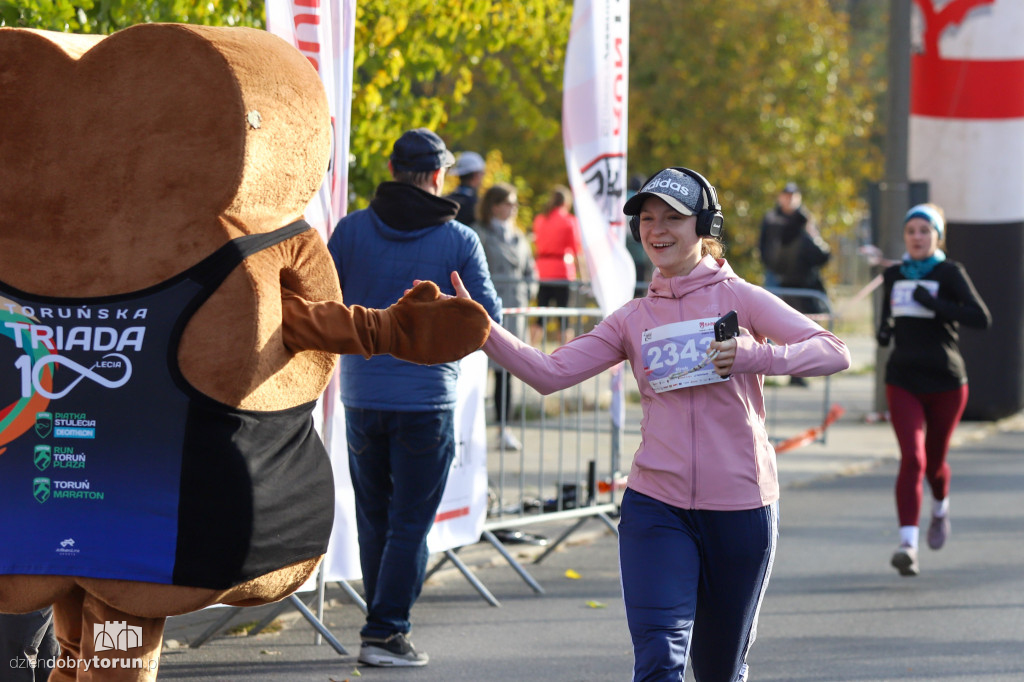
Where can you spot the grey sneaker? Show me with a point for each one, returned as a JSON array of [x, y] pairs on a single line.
[[394, 652], [904, 560], [938, 531]]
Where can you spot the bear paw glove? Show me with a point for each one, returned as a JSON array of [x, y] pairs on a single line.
[[428, 329], [421, 327]]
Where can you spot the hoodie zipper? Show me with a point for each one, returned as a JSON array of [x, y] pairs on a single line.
[[693, 455], [693, 431]]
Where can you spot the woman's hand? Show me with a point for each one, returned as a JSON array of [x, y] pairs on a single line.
[[724, 354], [460, 288]]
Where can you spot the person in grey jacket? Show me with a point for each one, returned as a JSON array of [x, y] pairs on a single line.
[[399, 415], [514, 273]]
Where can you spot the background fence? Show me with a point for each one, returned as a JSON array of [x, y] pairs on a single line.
[[567, 457]]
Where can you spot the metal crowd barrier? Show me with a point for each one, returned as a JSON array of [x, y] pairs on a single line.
[[568, 461], [826, 320]]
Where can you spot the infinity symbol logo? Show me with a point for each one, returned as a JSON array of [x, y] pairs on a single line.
[[83, 373]]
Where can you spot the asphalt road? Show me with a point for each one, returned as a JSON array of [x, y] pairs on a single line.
[[835, 609]]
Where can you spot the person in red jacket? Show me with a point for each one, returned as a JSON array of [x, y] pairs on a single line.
[[556, 234]]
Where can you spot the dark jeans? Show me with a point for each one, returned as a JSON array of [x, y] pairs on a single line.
[[502, 397], [28, 647], [399, 463], [692, 582]]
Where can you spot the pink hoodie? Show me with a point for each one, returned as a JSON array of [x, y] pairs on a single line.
[[703, 447]]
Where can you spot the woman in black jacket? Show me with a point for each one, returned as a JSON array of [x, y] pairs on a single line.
[[925, 300]]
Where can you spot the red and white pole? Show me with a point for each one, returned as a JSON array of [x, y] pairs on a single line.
[[967, 142]]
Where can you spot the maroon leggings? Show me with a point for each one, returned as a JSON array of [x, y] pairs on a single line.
[[924, 424]]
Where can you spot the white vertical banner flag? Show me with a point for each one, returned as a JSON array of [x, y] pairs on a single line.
[[594, 115], [594, 108], [324, 31]]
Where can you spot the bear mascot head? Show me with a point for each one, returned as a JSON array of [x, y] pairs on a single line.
[[167, 321]]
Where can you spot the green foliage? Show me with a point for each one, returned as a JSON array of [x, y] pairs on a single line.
[[782, 95], [107, 16], [485, 74], [766, 91]]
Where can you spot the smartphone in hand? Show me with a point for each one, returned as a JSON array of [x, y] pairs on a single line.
[[727, 326]]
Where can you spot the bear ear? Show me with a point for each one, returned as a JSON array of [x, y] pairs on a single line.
[[287, 126], [160, 120], [159, 139], [142, 132]]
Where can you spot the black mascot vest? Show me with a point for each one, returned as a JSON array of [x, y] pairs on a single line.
[[113, 466]]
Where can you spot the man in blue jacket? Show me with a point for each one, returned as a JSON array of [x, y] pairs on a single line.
[[399, 415]]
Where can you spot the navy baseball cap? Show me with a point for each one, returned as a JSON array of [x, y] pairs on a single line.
[[675, 188], [420, 149]]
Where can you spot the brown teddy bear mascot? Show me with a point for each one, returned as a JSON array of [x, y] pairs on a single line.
[[167, 322]]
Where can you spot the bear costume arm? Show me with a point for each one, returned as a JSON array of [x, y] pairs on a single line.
[[421, 327]]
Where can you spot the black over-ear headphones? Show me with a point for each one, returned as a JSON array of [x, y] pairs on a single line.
[[709, 217]]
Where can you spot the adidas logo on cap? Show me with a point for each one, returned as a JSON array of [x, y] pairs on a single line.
[[666, 183]]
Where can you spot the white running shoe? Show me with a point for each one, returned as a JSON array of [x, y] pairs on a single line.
[[904, 560], [510, 442]]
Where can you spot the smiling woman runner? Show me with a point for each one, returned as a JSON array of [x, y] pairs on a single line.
[[699, 518]]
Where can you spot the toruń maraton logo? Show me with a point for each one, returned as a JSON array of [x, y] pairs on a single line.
[[41, 489]]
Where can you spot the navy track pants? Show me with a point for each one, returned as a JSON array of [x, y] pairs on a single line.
[[692, 582]]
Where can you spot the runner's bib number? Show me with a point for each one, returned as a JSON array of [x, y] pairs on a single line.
[[902, 301], [675, 355]]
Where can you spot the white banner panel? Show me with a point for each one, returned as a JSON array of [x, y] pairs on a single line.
[[975, 169], [463, 510], [967, 107]]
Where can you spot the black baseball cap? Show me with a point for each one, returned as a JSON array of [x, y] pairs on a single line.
[[420, 149], [677, 189]]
